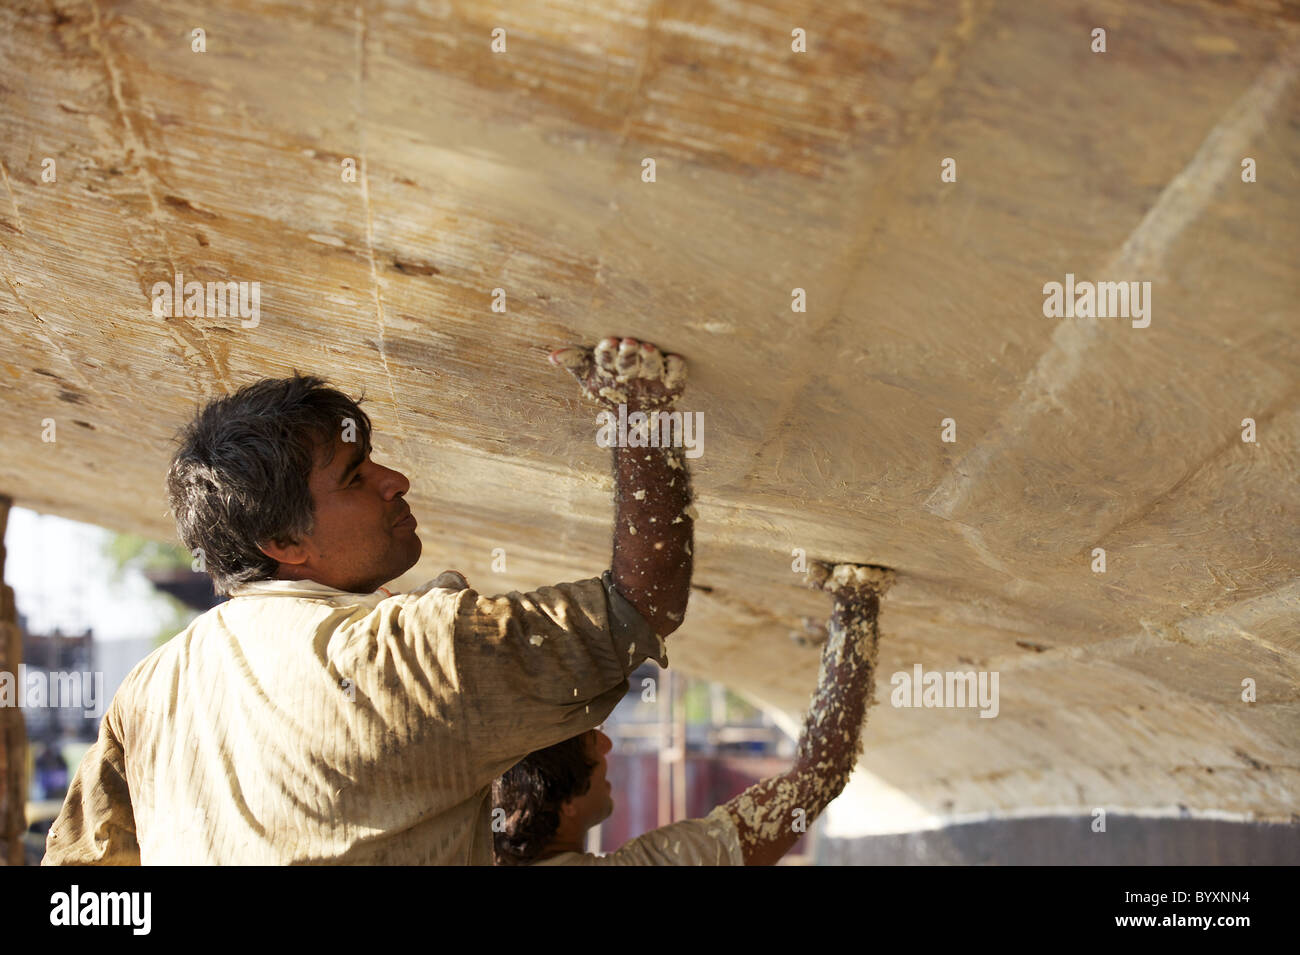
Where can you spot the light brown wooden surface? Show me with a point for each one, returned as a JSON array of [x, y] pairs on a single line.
[[775, 170]]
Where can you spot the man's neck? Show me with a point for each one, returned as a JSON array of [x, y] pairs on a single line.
[[565, 840], [297, 574]]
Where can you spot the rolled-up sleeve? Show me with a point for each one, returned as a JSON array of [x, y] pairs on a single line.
[[540, 667], [97, 824], [630, 631]]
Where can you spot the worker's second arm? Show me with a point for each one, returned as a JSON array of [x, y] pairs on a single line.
[[653, 517], [772, 814]]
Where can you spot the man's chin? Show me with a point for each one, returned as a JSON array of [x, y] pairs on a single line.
[[417, 547], [400, 567]]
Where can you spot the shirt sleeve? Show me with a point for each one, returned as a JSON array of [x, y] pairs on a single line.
[[712, 840], [627, 627], [97, 823], [537, 668]]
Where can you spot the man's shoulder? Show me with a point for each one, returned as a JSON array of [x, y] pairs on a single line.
[[451, 590], [169, 656], [165, 652], [571, 858], [710, 841], [134, 689]]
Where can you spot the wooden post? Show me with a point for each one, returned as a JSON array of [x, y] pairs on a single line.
[[13, 735]]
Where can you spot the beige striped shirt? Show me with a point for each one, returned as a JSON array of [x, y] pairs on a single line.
[[712, 840], [296, 723]]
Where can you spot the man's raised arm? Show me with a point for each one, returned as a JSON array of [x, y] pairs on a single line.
[[765, 814], [653, 517]]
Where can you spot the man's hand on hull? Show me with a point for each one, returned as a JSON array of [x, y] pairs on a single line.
[[850, 584], [625, 371]]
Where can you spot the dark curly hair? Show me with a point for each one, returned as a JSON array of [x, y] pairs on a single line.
[[240, 476], [531, 792]]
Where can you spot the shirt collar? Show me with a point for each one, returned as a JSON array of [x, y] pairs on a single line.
[[448, 580], [309, 589]]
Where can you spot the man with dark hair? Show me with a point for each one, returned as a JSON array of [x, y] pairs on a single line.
[[550, 798], [317, 717], [545, 804], [241, 493]]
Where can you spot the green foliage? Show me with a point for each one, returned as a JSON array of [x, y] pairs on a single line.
[[133, 552], [699, 705], [696, 698]]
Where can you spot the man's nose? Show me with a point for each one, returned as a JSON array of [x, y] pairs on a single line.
[[603, 743], [393, 482]]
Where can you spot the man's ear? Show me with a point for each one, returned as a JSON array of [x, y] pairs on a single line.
[[567, 808], [284, 551]]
